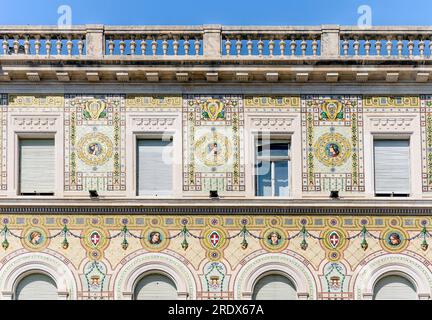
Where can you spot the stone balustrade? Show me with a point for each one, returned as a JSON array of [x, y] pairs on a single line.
[[215, 42], [42, 41], [386, 42]]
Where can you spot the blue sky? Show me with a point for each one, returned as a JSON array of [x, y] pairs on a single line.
[[229, 12]]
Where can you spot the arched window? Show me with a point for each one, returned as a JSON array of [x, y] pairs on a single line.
[[36, 286], [155, 287], [274, 287], [394, 287]]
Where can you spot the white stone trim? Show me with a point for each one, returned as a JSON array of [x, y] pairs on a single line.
[[148, 263], [23, 265], [392, 264], [274, 263]]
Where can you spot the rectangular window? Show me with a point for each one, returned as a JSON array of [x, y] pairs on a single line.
[[392, 168], [154, 167], [37, 166], [272, 168]]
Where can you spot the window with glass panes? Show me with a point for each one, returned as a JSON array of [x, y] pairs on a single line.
[[272, 167]]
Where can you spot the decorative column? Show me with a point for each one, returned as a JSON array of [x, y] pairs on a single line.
[[95, 41], [212, 39], [330, 41]]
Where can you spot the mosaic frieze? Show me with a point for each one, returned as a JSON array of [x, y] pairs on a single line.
[[36, 101], [332, 136], [153, 103], [391, 103], [213, 143], [3, 139], [426, 142], [272, 103], [95, 138]]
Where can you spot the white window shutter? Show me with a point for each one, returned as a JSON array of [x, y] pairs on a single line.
[[154, 167], [37, 166], [394, 288], [155, 287], [392, 166], [274, 287], [36, 287]]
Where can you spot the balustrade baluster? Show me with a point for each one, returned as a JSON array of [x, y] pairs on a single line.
[[5, 45], [80, 46], [69, 45], [164, 45], [260, 47], [389, 46], [249, 45], [48, 46], [175, 45], [122, 46], [345, 46], [314, 47], [132, 46], [303, 46], [186, 45], [238, 45], [143, 45], [282, 45], [154, 46], [356, 46], [197, 46], [16, 44], [59, 45], [271, 47], [367, 46], [228, 46], [378, 46], [399, 46], [410, 47], [421, 47], [111, 46], [26, 44], [293, 45]]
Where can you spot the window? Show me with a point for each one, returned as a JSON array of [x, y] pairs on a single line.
[[392, 168], [36, 286], [154, 167], [37, 166], [271, 168], [274, 287]]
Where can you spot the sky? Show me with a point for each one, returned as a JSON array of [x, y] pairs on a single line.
[[227, 12]]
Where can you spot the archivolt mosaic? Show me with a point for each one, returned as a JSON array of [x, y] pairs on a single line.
[[3, 139], [332, 136], [426, 141], [94, 143], [213, 157]]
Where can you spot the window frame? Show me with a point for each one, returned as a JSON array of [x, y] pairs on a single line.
[[272, 138]]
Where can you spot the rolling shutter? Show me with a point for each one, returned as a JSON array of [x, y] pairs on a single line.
[[155, 287], [274, 287], [394, 288], [154, 167], [37, 166], [36, 287], [392, 168]]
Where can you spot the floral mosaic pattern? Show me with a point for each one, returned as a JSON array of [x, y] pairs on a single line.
[[332, 135], [213, 143], [94, 135]]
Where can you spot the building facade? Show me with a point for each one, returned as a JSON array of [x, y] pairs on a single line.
[[215, 162]]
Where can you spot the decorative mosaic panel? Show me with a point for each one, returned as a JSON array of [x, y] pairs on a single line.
[[3, 139], [272, 103], [391, 103], [94, 143], [153, 103], [332, 137], [40, 102], [426, 141], [213, 157]]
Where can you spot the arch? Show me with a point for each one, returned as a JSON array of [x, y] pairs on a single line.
[[392, 264], [392, 284], [149, 263], [153, 286], [36, 286], [274, 286], [274, 263], [29, 263]]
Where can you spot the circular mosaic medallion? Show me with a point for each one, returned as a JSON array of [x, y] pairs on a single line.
[[214, 255], [94, 149], [154, 239], [213, 149], [35, 239], [332, 149], [274, 239], [334, 255], [394, 240]]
